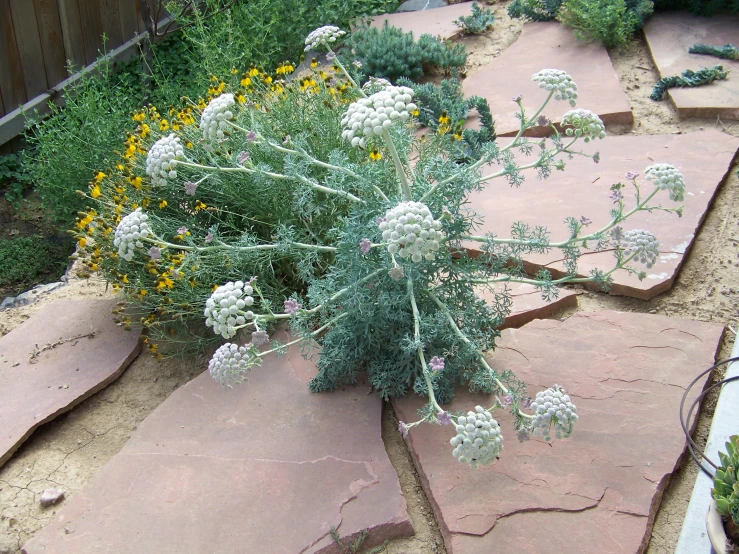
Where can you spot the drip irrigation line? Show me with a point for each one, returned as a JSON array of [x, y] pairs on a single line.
[[692, 446]]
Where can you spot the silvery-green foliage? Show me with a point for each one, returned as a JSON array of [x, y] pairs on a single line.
[[391, 289]]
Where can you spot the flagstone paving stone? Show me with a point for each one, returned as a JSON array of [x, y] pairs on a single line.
[[420, 5], [669, 35], [436, 22], [527, 303], [583, 189], [266, 466], [599, 490], [548, 45], [40, 379]]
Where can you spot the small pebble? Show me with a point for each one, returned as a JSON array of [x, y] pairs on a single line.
[[51, 496], [652, 311]]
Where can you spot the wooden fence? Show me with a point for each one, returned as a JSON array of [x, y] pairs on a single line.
[[39, 37]]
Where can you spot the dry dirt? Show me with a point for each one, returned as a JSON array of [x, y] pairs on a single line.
[[67, 452]]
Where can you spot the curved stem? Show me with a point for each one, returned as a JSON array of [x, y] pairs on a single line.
[[300, 245], [463, 337], [301, 339], [421, 357]]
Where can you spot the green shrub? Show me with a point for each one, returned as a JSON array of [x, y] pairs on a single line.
[[78, 140], [535, 10], [444, 109], [24, 259], [14, 178], [699, 7], [477, 23], [612, 22], [390, 53]]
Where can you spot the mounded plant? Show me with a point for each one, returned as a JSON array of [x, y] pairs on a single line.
[[316, 203]]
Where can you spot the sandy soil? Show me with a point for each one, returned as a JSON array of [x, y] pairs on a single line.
[[67, 452]]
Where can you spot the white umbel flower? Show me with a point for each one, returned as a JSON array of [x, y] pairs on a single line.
[[368, 117], [160, 161], [642, 243], [478, 439], [215, 115], [667, 177], [553, 407], [129, 232], [583, 123], [323, 36], [230, 363], [559, 82], [224, 309], [411, 231]]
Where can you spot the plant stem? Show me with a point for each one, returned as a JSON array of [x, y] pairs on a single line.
[[421, 357], [480, 357], [403, 187], [301, 339], [300, 245]]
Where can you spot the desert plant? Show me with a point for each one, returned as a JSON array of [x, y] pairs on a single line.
[[612, 22], [535, 10], [444, 109], [725, 489], [311, 181], [688, 78], [391, 53], [478, 22], [726, 52]]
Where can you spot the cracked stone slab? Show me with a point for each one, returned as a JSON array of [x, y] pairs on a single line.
[[266, 466], [548, 45], [669, 35], [527, 303], [436, 22], [599, 490], [583, 189], [46, 371]]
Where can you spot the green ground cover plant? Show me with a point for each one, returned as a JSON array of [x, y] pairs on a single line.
[[316, 203], [478, 22], [24, 259]]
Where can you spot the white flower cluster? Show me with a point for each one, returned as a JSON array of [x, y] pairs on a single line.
[[371, 116], [129, 232], [411, 231], [160, 162], [223, 308], [559, 82], [375, 84], [667, 177], [584, 123], [642, 243], [323, 36], [553, 406], [214, 117], [230, 363], [478, 439]]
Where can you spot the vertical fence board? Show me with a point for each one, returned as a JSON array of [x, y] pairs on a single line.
[[129, 18], [29, 46], [52, 45], [93, 28], [11, 71], [2, 107], [72, 33], [111, 21], [139, 18]]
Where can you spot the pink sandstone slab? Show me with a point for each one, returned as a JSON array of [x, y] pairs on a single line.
[[549, 45], [527, 303], [583, 189], [266, 466], [437, 22], [40, 379], [598, 491], [669, 35]]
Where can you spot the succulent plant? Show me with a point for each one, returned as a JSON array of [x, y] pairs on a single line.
[[725, 491]]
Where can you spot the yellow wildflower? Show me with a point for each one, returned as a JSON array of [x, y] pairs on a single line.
[[202, 104], [162, 204], [375, 155], [313, 63], [136, 182], [245, 81], [199, 206], [82, 242], [95, 191], [163, 125]]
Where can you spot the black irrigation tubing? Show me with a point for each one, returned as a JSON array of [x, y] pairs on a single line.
[[692, 446]]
